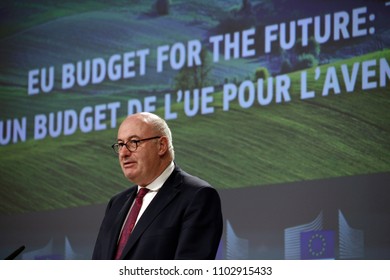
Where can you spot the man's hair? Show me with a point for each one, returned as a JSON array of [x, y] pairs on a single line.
[[162, 127]]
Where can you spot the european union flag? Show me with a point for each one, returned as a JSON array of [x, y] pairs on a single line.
[[317, 244]]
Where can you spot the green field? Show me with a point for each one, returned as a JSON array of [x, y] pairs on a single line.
[[325, 137]]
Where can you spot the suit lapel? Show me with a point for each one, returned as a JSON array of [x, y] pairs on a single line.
[[164, 196], [119, 220]]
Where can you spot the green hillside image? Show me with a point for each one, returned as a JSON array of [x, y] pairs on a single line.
[[324, 137]]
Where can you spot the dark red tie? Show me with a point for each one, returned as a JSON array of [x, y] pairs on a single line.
[[130, 222]]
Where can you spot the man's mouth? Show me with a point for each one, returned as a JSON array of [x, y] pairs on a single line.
[[128, 163]]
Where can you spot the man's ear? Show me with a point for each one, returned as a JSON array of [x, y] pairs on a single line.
[[163, 148]]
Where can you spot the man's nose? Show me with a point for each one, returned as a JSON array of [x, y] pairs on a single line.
[[124, 151]]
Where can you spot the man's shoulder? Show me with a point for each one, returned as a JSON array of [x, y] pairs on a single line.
[[191, 181], [125, 194]]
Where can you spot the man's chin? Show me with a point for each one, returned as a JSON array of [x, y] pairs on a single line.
[[129, 174]]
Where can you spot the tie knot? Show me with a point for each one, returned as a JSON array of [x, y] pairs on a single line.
[[142, 192]]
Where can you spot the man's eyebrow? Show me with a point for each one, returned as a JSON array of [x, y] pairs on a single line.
[[127, 138]]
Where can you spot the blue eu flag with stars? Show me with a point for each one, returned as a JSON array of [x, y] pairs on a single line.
[[317, 244]]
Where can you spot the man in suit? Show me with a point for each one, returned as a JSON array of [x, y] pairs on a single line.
[[180, 216]]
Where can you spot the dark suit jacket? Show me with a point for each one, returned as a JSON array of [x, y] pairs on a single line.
[[183, 221]]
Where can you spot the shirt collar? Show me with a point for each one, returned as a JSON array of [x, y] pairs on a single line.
[[160, 180]]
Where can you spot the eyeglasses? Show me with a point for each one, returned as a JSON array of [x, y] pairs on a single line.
[[131, 145]]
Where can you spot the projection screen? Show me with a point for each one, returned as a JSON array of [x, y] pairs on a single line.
[[283, 106]]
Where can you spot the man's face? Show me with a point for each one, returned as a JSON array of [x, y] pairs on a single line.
[[141, 166]]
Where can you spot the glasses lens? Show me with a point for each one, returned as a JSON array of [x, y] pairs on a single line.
[[115, 147], [131, 146]]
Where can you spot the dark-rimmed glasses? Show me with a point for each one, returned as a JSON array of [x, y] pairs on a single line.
[[131, 145]]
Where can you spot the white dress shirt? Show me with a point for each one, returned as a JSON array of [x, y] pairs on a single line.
[[153, 187]]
